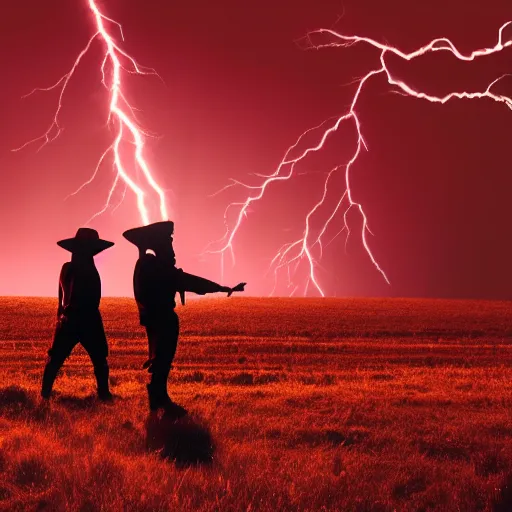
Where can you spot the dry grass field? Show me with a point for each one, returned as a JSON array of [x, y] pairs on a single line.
[[294, 404]]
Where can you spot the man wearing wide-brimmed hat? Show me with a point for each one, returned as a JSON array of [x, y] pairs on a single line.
[[78, 316], [156, 281]]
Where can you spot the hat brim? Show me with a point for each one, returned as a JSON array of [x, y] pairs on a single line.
[[145, 236], [85, 246]]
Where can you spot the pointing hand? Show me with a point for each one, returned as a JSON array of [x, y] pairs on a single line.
[[238, 288]]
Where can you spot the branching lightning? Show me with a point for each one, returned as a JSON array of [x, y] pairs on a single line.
[[120, 115], [301, 251]]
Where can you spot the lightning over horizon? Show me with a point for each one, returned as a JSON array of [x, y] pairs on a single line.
[[333, 208], [308, 249], [120, 115]]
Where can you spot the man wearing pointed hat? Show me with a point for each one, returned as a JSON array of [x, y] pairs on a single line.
[[78, 316], [156, 281]]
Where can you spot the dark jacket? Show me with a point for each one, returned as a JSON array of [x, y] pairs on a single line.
[[79, 289], [155, 284]]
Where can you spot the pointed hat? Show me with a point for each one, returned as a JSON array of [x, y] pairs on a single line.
[[145, 236]]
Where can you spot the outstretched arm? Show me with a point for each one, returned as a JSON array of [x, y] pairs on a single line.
[[202, 286]]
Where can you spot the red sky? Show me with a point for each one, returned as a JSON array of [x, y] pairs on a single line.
[[236, 91]]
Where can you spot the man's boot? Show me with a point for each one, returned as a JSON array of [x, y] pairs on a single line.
[[154, 401], [158, 396], [50, 373], [101, 373], [157, 391], [162, 386], [171, 408]]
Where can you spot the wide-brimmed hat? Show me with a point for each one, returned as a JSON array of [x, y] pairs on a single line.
[[87, 241], [144, 237]]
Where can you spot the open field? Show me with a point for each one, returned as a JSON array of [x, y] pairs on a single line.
[[356, 405]]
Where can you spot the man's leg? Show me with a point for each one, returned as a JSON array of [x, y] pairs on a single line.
[[63, 342], [94, 341], [163, 340], [160, 361], [153, 333]]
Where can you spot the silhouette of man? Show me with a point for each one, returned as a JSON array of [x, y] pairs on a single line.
[[156, 281], [78, 316]]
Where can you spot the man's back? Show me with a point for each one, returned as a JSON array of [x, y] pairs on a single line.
[[80, 288]]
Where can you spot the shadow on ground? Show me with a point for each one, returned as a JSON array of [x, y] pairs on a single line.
[[15, 401], [181, 438], [503, 500], [77, 403]]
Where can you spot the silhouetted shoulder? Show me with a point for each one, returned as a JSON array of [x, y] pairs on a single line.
[[64, 271], [147, 262], [146, 272]]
